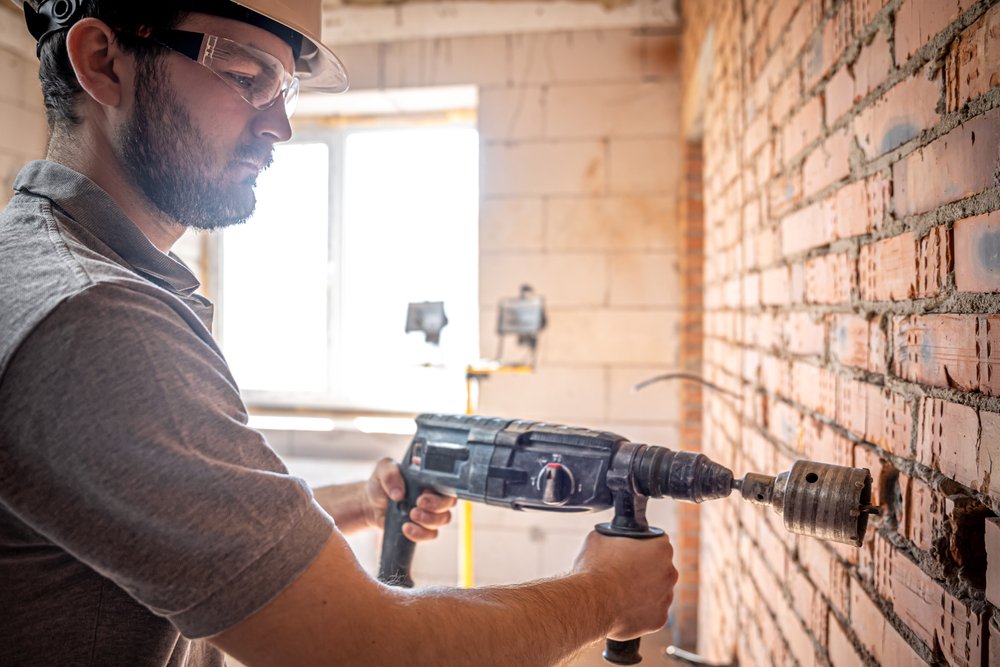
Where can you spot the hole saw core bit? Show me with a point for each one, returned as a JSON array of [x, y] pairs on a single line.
[[821, 500]]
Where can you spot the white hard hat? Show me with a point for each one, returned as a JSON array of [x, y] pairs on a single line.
[[316, 65]]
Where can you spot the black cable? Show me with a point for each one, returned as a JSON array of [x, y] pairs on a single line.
[[691, 377]]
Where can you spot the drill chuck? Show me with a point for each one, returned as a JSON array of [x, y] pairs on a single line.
[[689, 476]]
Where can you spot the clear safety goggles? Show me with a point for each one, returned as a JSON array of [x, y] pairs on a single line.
[[257, 76]]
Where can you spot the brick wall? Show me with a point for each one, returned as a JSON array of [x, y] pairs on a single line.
[[852, 217], [22, 115]]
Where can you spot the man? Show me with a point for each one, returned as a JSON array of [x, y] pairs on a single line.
[[141, 521]]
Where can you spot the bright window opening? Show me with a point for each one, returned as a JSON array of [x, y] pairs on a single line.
[[352, 224]]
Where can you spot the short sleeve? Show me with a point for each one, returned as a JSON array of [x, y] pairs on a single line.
[[123, 440]]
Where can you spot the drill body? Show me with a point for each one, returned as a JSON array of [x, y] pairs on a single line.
[[526, 465]]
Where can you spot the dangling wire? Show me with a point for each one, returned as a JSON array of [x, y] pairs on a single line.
[[690, 377]]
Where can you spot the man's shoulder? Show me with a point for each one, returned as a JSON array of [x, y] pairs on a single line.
[[47, 264]]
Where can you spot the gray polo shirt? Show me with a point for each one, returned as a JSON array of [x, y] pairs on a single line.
[[137, 509]]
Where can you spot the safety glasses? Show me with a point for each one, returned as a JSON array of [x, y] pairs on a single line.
[[258, 77]]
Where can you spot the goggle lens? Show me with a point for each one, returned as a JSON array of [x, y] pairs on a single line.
[[258, 77]]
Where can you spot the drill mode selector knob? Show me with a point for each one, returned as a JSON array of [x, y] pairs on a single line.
[[556, 484]]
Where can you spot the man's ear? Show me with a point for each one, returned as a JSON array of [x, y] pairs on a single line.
[[94, 54]]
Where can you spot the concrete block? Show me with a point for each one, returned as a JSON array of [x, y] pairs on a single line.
[[514, 223], [613, 110], [32, 133], [563, 280], [512, 113], [649, 279], [562, 395], [363, 63], [577, 56], [14, 36], [507, 555], [646, 223], [478, 60], [621, 336], [543, 168], [658, 402], [644, 166]]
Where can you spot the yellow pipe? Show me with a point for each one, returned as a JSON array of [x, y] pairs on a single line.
[[466, 564]]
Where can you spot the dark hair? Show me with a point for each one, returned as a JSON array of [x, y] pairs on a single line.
[[60, 87]]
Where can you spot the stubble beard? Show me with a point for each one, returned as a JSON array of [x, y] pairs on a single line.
[[170, 160]]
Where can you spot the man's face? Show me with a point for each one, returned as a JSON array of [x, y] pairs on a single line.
[[191, 144]]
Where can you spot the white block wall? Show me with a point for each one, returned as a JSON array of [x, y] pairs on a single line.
[[24, 133], [580, 160]]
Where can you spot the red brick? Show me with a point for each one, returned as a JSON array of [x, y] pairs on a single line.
[[823, 443], [973, 66], [963, 162], [827, 47], [757, 133], [872, 66], [784, 193], [865, 11], [993, 563], [889, 420], [808, 604], [829, 279], [977, 253], [774, 287], [919, 20], [826, 572], [899, 115], [839, 95], [804, 127], [902, 267], [785, 423], [785, 98], [828, 163], [806, 228], [950, 351], [866, 456], [840, 649], [860, 206], [815, 388], [949, 440], [896, 652], [852, 405], [994, 639], [802, 334], [867, 620], [935, 615], [989, 452], [923, 513], [857, 341]]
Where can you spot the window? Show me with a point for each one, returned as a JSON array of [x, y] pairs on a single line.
[[352, 224]]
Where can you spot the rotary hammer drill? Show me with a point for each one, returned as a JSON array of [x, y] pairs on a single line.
[[527, 465]]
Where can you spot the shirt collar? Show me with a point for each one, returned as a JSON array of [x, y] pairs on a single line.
[[92, 208]]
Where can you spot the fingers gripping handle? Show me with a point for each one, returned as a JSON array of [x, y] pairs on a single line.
[[397, 549], [629, 521]]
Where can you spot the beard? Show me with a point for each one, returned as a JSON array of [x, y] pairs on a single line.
[[172, 162]]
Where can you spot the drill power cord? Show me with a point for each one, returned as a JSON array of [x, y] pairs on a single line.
[[690, 377]]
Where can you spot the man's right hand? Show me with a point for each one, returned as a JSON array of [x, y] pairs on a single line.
[[640, 577]]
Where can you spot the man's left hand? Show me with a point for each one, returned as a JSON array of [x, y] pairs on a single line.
[[431, 513]]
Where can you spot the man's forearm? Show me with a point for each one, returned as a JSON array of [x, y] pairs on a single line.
[[347, 504], [335, 614]]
